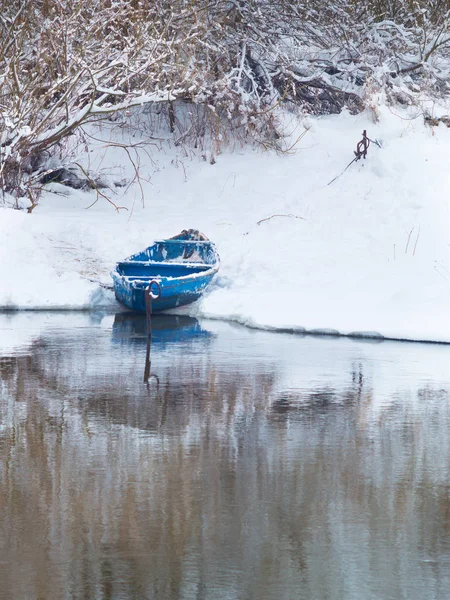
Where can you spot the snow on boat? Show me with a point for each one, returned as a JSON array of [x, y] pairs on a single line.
[[176, 270]]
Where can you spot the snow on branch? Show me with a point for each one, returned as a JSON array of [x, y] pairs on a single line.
[[238, 58]]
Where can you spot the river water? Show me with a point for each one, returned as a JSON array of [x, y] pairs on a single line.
[[250, 465]]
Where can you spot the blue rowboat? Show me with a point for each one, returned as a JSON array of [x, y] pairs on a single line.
[[176, 271]]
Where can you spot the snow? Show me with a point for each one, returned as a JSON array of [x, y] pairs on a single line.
[[367, 254]]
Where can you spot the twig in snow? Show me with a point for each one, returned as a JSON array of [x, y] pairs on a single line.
[[417, 239], [409, 237], [376, 142], [289, 149], [273, 216], [226, 181], [441, 266], [445, 268], [340, 174], [99, 193], [439, 273]]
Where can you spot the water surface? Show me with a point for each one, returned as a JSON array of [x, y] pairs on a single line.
[[250, 465]]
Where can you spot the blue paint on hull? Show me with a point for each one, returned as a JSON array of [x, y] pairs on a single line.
[[183, 269]]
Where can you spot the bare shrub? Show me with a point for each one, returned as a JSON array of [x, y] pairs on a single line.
[[233, 62]]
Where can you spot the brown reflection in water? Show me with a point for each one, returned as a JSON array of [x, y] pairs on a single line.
[[216, 484]]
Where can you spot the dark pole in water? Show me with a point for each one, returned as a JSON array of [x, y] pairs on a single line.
[[147, 361], [149, 297], [148, 310], [148, 313]]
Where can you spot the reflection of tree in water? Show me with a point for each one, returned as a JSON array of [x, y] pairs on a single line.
[[103, 389], [216, 482], [103, 500], [387, 476]]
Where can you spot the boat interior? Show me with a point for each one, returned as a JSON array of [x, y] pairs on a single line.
[[161, 269]]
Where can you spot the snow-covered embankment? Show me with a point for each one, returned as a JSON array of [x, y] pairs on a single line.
[[370, 252]]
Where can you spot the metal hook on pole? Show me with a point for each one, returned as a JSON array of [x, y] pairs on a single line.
[[360, 152], [150, 295]]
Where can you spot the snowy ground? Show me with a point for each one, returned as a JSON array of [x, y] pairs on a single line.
[[368, 253]]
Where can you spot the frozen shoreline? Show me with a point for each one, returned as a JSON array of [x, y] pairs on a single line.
[[369, 336], [369, 253]]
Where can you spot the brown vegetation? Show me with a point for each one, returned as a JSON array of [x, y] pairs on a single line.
[[64, 63]]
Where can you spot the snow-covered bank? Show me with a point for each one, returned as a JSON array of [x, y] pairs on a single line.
[[368, 253]]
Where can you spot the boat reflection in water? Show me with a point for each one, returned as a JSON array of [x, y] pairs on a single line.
[[263, 466], [131, 328]]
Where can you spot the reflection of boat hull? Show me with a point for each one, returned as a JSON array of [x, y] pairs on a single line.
[[182, 268], [132, 328]]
